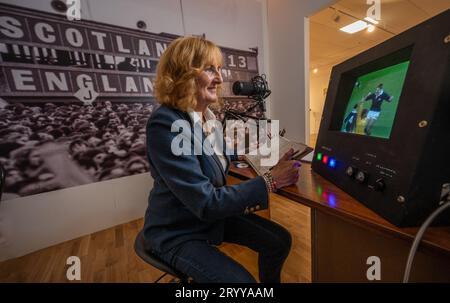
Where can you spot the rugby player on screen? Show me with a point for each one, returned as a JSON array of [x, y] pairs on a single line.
[[377, 99]]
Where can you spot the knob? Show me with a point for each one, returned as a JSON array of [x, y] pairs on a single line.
[[350, 171], [380, 185], [362, 177]]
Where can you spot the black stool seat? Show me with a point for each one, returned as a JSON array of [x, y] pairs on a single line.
[[155, 261]]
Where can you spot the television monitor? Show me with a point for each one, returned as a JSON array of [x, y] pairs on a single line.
[[384, 136], [372, 106]]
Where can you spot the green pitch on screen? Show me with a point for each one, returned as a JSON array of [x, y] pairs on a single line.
[[392, 78]]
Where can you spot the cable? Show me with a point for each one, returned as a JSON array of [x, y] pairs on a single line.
[[418, 238]]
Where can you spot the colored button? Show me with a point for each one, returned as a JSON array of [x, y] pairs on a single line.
[[332, 163]]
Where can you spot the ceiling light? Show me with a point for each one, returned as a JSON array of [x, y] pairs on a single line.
[[371, 20], [315, 70], [370, 28], [354, 27]]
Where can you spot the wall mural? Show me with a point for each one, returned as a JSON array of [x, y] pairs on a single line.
[[75, 97]]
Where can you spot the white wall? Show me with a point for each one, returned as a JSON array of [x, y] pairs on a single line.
[[288, 44], [155, 13], [34, 222], [233, 23], [236, 21]]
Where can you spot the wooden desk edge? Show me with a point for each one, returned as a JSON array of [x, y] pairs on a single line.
[[386, 228]]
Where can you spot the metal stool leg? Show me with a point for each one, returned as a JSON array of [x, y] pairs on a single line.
[[148, 257], [162, 276]]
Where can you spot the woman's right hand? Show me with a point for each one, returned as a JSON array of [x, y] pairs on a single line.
[[286, 173]]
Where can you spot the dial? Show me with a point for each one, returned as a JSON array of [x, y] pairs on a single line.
[[350, 171], [362, 177]]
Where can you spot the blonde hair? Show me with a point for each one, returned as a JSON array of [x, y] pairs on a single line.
[[178, 68]]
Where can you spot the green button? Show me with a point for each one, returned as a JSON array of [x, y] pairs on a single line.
[[319, 156]]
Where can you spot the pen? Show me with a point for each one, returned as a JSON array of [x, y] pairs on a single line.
[[292, 157]]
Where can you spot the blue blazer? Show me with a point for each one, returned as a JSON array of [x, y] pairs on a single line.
[[190, 198]]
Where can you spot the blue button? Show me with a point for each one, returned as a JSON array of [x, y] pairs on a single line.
[[332, 163]]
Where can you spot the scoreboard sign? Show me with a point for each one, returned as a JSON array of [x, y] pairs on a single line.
[[44, 55]]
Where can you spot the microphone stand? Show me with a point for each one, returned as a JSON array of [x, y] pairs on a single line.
[[229, 114], [262, 91], [244, 116]]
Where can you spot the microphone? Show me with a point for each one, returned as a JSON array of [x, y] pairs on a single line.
[[243, 88], [257, 88]]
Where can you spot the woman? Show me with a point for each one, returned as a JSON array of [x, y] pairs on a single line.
[[191, 209]]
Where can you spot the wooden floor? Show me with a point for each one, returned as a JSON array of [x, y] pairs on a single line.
[[108, 255]]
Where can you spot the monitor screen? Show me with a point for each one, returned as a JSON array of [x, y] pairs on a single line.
[[374, 100]]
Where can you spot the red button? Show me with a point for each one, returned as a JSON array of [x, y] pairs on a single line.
[[325, 159]]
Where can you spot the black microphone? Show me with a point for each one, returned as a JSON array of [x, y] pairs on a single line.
[[244, 88], [257, 88]]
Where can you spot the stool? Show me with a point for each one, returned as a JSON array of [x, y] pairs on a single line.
[[155, 261]]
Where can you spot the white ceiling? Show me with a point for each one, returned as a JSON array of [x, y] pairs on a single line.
[[330, 46]]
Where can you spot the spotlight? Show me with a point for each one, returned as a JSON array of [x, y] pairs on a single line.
[[336, 18], [370, 28], [59, 6], [141, 25]]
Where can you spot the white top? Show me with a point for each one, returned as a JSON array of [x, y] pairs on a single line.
[[215, 137]]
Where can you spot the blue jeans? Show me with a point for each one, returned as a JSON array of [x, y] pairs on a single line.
[[205, 263]]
